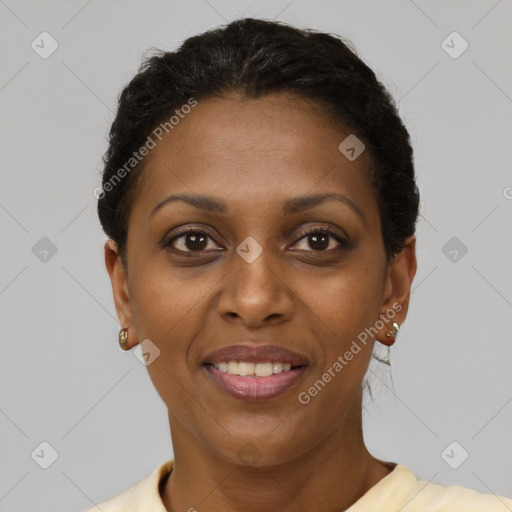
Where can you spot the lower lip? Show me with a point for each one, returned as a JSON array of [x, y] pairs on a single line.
[[251, 387]]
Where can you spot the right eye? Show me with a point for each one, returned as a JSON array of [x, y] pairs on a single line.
[[191, 240]]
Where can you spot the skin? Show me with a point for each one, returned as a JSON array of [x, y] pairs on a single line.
[[253, 154]]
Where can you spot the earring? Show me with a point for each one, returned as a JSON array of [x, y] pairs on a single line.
[[123, 338], [396, 328], [385, 360]]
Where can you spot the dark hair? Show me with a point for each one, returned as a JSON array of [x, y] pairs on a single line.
[[255, 57]]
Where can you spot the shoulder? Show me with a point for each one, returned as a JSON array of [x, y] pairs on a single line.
[[455, 498], [402, 490], [143, 496]]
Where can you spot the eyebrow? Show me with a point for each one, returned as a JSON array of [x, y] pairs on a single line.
[[290, 206], [207, 203], [298, 204]]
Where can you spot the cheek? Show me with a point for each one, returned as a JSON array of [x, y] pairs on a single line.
[[165, 311], [347, 300], [344, 306], [163, 301]]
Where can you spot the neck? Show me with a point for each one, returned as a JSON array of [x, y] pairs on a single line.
[[329, 477]]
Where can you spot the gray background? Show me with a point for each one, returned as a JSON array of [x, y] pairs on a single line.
[[64, 379]]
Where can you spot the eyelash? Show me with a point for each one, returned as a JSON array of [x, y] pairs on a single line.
[[168, 242]]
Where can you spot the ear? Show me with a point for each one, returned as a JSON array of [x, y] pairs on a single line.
[[119, 281], [400, 274]]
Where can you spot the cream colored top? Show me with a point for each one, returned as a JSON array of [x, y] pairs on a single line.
[[399, 491]]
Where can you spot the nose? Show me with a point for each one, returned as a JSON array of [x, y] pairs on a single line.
[[255, 292]]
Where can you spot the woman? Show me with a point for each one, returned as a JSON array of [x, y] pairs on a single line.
[[260, 202]]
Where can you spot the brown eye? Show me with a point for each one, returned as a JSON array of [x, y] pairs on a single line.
[[195, 241], [321, 240], [192, 240]]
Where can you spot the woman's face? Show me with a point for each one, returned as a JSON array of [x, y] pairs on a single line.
[[257, 160]]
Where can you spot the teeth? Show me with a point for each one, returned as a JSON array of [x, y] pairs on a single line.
[[258, 369], [277, 367], [246, 368], [233, 367], [263, 369]]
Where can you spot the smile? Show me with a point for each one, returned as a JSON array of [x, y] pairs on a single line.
[[254, 381], [263, 369]]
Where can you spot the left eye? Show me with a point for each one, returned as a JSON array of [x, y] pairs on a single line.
[[318, 240]]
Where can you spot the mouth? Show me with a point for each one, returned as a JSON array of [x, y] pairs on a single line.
[[251, 381], [252, 371]]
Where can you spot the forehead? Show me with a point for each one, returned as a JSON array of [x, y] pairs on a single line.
[[258, 150]]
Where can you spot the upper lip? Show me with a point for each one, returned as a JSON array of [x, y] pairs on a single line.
[[255, 354]]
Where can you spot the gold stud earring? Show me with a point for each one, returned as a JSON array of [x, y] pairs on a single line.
[[123, 338]]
